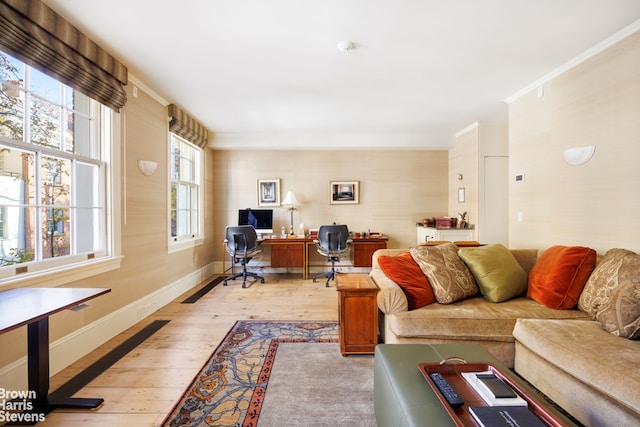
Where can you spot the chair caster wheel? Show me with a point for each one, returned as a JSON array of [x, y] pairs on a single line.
[[262, 281], [224, 283], [314, 280]]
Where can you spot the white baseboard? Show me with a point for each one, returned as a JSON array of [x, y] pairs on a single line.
[[66, 350]]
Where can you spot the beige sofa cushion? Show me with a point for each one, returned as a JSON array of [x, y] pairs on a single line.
[[583, 349], [612, 293], [472, 319], [450, 278]]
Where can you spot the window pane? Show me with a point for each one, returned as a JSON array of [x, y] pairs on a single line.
[[45, 123], [89, 230], [174, 195], [174, 223], [14, 174], [12, 100], [78, 136], [87, 184], [13, 248], [44, 86], [175, 164], [55, 182], [55, 232], [183, 217]]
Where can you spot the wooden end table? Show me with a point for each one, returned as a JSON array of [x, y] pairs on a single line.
[[358, 313]]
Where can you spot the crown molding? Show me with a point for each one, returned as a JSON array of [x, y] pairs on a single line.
[[589, 53]]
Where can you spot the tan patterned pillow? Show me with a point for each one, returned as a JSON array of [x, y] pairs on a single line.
[[612, 293], [450, 278]]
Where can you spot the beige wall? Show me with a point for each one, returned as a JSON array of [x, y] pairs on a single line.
[[597, 204], [397, 188], [463, 159]]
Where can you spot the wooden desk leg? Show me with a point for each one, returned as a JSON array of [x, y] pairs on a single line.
[[38, 372]]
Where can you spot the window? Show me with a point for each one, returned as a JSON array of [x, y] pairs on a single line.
[[55, 145], [185, 210]]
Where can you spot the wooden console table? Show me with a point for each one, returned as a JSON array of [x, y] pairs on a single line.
[[32, 307]]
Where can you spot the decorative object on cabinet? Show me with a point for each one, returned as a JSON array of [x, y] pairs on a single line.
[[292, 202], [344, 192], [268, 192]]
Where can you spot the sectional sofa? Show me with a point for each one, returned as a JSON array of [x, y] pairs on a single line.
[[568, 320]]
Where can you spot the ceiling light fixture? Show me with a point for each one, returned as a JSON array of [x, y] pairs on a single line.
[[344, 45]]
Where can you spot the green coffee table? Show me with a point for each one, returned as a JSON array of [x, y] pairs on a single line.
[[402, 396]]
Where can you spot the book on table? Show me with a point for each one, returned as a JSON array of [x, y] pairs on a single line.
[[505, 416], [492, 389]]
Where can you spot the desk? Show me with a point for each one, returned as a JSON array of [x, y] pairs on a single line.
[[294, 251], [32, 307]]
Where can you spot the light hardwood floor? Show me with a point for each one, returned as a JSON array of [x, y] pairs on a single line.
[[141, 388]]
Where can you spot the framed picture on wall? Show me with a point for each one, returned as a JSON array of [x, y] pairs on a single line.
[[268, 192], [344, 192]]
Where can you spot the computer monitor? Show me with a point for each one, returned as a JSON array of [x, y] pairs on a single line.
[[261, 219]]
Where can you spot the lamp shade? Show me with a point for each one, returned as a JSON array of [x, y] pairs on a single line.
[[290, 200]]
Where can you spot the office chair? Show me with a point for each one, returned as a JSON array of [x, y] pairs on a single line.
[[242, 244], [333, 242]]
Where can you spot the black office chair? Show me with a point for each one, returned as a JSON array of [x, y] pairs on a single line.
[[242, 244], [333, 242]]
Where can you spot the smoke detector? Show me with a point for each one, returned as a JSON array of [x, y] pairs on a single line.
[[344, 45]]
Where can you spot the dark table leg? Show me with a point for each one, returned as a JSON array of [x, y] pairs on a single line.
[[38, 369]]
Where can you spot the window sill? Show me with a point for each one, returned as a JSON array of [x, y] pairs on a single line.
[[184, 245], [63, 275]]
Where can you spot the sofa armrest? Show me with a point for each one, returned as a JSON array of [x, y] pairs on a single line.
[[386, 252], [391, 298]]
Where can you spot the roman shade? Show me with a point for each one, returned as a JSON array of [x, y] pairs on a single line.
[[182, 124], [35, 34]]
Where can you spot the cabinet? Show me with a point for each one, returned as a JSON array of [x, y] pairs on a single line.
[[357, 313], [363, 251], [427, 234]]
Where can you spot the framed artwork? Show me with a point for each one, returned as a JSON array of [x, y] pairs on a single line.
[[268, 192], [344, 192]]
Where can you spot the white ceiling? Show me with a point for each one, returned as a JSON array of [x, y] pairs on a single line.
[[257, 72]]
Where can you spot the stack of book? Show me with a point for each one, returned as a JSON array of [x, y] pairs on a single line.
[[505, 407]]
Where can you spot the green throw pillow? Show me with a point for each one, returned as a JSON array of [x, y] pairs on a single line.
[[497, 273]]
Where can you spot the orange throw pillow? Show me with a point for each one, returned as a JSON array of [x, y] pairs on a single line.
[[403, 270], [558, 277]]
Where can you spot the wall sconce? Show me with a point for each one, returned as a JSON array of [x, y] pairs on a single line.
[[460, 189], [147, 167], [577, 156]]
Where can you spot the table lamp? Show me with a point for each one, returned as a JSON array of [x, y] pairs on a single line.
[[292, 202]]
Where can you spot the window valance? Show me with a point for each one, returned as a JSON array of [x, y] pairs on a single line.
[[182, 124], [38, 36]]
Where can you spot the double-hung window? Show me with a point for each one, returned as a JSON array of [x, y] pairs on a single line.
[[185, 196], [55, 145]]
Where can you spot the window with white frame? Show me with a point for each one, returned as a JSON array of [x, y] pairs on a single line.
[[185, 211], [55, 145]]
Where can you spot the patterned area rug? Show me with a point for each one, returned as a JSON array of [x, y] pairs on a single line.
[[231, 387]]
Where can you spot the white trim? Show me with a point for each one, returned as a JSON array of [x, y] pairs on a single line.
[[64, 274], [589, 53], [183, 245], [79, 343], [135, 81], [467, 129]]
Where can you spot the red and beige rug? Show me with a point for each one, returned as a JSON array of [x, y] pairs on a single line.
[[231, 387]]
